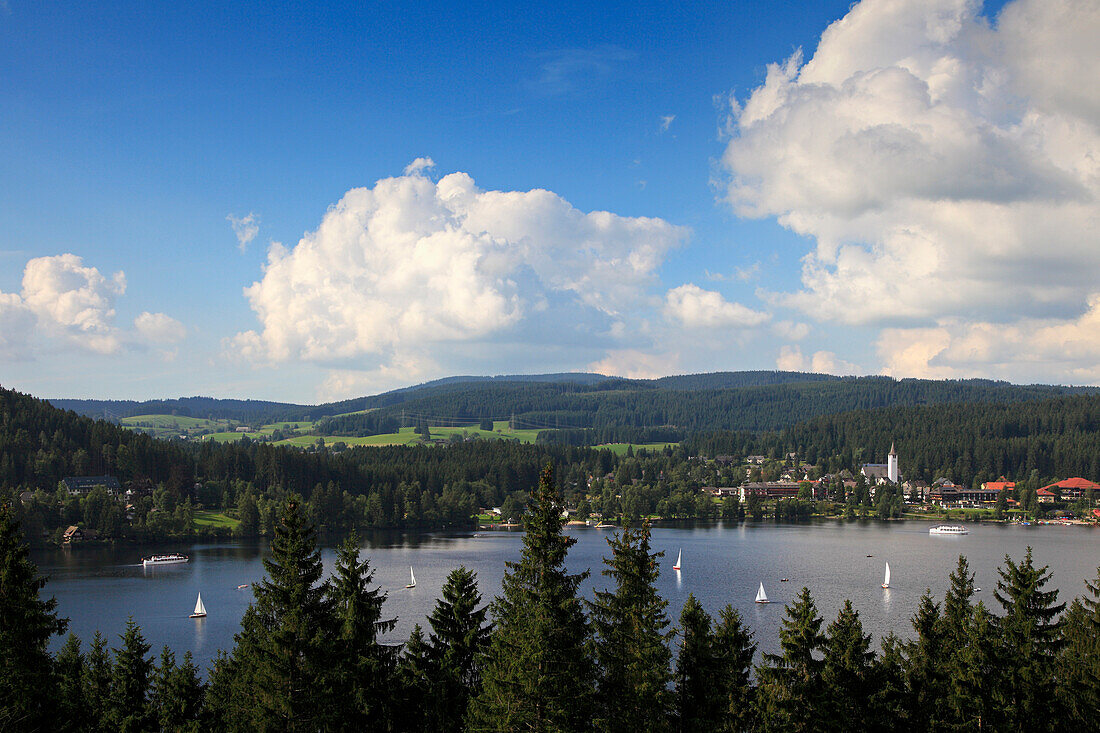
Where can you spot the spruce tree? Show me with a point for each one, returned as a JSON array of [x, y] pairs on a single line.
[[1076, 672], [696, 705], [893, 693], [925, 666], [417, 677], [631, 641], [538, 675], [459, 637], [1030, 639], [26, 675], [956, 607], [733, 652], [973, 697], [791, 695], [177, 694], [96, 682], [68, 670], [282, 663], [128, 708], [848, 674], [365, 668]]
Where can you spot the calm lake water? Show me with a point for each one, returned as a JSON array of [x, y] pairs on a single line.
[[99, 588]]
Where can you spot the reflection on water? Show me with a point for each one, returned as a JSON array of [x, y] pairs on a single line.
[[98, 588]]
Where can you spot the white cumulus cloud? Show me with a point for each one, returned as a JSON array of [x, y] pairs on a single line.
[[946, 166], [694, 307], [790, 359], [409, 265], [1053, 350], [635, 364], [159, 328], [66, 304]]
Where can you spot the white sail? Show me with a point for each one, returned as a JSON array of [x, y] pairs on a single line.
[[200, 610], [761, 596], [886, 581], [679, 555], [412, 579]]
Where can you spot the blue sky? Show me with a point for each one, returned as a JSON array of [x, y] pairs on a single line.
[[894, 187]]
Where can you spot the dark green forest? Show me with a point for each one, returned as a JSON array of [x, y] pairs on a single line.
[[539, 657], [757, 400], [428, 486]]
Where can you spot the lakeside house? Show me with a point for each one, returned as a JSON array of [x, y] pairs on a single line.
[[76, 534], [83, 485]]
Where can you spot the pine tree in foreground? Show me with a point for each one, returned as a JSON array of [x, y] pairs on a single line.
[[1031, 639], [96, 682], [416, 676], [68, 671], [697, 708], [631, 642], [128, 710], [925, 667], [458, 639], [849, 672], [733, 652], [537, 674], [364, 668], [791, 694], [177, 693], [280, 673], [26, 679]]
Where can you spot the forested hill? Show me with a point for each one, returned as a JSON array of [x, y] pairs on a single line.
[[617, 404], [756, 400], [968, 443], [243, 410]]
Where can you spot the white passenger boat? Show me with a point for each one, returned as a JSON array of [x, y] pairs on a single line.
[[164, 559], [949, 529]]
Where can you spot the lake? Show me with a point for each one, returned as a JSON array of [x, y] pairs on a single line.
[[98, 588]]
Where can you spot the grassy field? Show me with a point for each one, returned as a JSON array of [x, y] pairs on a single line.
[[214, 519], [619, 449], [406, 436], [170, 426]]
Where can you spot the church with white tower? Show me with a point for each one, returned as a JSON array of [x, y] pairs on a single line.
[[880, 473]]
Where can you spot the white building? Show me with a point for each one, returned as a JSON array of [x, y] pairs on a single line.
[[880, 473]]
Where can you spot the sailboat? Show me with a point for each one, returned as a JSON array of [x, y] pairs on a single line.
[[412, 579], [761, 596], [200, 610], [679, 554], [886, 580]]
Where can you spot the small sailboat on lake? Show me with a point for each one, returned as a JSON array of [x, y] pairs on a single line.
[[886, 580], [679, 554], [761, 596], [200, 610], [412, 579]]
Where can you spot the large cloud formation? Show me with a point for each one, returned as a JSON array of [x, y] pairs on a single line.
[[65, 302], [948, 168], [398, 269]]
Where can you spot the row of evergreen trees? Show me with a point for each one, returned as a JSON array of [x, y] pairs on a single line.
[[308, 655]]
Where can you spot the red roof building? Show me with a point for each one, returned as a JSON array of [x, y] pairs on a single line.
[[1072, 488], [1045, 496], [999, 485]]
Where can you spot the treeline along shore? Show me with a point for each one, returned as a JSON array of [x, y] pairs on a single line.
[[178, 490], [540, 658]]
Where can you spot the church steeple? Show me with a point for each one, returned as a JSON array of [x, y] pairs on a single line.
[[892, 464]]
